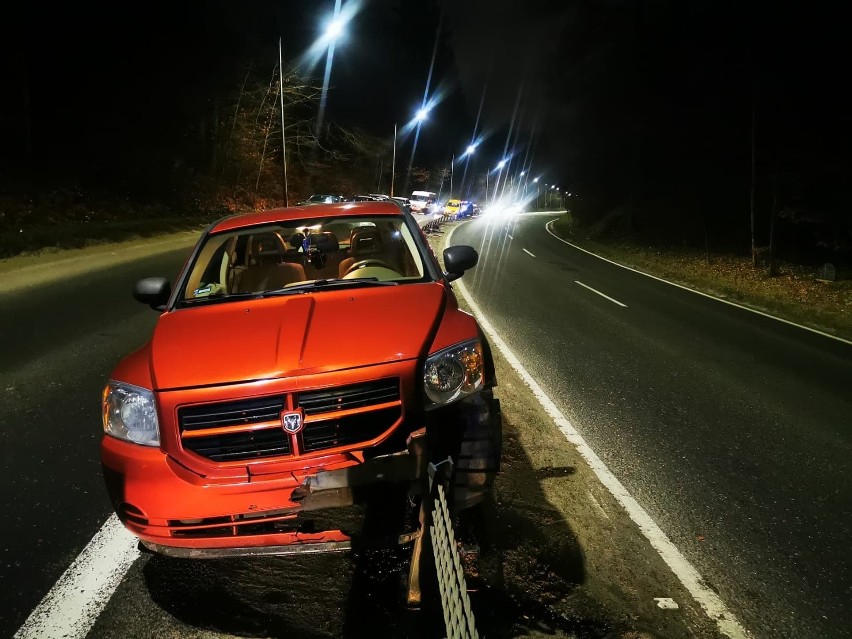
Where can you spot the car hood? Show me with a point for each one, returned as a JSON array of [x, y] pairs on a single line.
[[293, 335]]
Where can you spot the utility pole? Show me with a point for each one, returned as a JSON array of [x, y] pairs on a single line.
[[393, 167], [452, 168], [283, 135], [753, 164]]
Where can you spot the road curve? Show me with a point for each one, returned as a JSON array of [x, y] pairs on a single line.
[[733, 430]]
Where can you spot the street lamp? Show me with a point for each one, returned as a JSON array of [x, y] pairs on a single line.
[[421, 115], [471, 149], [334, 29], [501, 164]]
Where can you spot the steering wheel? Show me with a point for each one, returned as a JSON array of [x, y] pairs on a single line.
[[365, 264]]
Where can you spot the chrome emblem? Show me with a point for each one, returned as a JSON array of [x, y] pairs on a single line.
[[292, 421]]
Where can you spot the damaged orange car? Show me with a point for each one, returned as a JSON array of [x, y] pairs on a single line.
[[304, 356]]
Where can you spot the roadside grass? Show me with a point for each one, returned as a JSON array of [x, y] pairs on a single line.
[[793, 294], [70, 235]]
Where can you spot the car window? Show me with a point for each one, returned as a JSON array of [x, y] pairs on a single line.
[[277, 256]]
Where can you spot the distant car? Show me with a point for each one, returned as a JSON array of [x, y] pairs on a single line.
[[379, 196], [452, 207], [322, 198], [465, 209], [404, 201], [304, 356], [423, 201], [366, 198]]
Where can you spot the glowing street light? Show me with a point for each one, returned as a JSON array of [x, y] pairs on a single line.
[[334, 29], [471, 149], [421, 115], [501, 164], [523, 173], [535, 180]]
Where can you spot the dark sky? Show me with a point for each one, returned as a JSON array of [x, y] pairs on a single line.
[[630, 99]]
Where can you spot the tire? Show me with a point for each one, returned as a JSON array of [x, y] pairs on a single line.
[[473, 438]]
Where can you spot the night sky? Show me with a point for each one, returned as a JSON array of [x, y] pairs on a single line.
[[628, 101]]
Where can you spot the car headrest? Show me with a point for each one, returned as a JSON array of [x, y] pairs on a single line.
[[266, 248], [324, 242], [366, 242]]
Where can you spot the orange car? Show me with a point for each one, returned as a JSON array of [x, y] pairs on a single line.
[[305, 355]]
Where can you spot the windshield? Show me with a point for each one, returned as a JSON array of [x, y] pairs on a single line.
[[358, 250]]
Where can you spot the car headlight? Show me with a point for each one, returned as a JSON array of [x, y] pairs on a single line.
[[130, 413], [453, 373]]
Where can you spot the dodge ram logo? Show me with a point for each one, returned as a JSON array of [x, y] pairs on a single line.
[[291, 421]]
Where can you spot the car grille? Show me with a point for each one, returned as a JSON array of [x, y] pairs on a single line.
[[251, 429], [346, 397], [246, 411], [347, 430], [256, 444]]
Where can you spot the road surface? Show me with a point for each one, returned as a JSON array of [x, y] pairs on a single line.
[[733, 430]]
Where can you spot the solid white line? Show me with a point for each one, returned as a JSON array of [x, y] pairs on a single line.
[[72, 606], [510, 236], [614, 301], [692, 290], [528, 253], [680, 566]]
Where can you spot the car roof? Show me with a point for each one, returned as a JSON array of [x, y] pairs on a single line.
[[365, 209]]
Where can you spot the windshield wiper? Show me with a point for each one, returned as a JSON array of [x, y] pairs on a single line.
[[215, 297], [321, 284]]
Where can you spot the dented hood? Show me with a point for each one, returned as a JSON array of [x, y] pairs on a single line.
[[299, 334]]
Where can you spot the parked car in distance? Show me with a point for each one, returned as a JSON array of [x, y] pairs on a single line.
[[379, 196], [366, 198], [451, 208], [423, 201], [303, 359], [322, 198]]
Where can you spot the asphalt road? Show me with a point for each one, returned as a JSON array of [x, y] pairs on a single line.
[[733, 430], [60, 339]]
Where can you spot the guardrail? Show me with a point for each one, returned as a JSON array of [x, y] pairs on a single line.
[[436, 529]]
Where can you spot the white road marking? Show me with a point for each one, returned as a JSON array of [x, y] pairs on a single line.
[[679, 565], [528, 253], [692, 290], [72, 606], [613, 300], [510, 236]]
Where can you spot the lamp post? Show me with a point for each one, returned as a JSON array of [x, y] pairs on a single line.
[[393, 165], [283, 135]]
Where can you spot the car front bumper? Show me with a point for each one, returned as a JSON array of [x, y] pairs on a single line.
[[287, 513]]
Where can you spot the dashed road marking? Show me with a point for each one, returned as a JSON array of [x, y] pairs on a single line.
[[549, 229], [611, 299], [528, 253]]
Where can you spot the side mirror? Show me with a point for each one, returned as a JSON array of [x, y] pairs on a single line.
[[153, 291], [458, 259]]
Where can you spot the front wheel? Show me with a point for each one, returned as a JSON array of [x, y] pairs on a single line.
[[471, 433]]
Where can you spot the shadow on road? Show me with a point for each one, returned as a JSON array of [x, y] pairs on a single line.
[[530, 564]]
